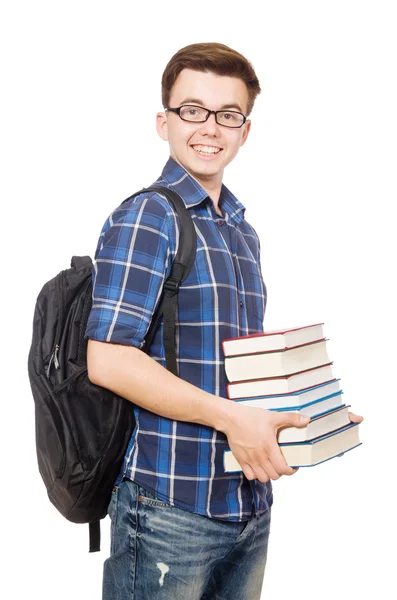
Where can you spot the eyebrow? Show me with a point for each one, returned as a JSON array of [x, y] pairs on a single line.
[[201, 103]]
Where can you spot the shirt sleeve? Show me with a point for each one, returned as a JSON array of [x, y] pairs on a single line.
[[131, 265]]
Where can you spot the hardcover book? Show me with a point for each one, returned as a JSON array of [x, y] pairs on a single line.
[[272, 340], [311, 453], [280, 385], [317, 427], [295, 400], [278, 363]]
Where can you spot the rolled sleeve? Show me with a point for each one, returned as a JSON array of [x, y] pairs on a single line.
[[131, 264]]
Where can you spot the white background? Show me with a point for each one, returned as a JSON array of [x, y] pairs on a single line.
[[81, 86]]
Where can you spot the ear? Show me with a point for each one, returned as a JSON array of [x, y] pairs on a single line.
[[247, 128], [162, 125]]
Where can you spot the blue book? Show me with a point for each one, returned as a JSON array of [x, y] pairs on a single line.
[[329, 421], [313, 452], [310, 401]]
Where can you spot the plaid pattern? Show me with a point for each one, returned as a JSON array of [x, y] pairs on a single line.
[[223, 296]]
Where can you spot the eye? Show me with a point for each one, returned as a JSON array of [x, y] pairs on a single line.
[[231, 118], [189, 112]]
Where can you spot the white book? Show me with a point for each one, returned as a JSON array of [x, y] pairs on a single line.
[[272, 340], [278, 363], [307, 454], [280, 385]]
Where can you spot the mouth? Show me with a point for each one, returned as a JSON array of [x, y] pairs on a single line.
[[207, 151]]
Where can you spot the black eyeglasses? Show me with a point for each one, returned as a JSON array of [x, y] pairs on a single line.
[[198, 114]]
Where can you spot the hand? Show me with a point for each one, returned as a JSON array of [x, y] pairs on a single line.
[[354, 419], [252, 437]]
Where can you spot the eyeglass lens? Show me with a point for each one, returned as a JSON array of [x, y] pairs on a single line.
[[198, 114]]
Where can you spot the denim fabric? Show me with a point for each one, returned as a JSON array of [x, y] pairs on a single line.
[[162, 552]]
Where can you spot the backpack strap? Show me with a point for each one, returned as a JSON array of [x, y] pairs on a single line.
[[95, 536], [188, 239], [181, 266], [168, 304], [79, 262]]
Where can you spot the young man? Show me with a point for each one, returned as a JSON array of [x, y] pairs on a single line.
[[182, 528]]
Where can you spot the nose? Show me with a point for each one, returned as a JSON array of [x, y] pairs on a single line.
[[210, 126]]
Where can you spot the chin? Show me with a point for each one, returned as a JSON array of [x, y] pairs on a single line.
[[199, 168], [207, 167], [206, 171]]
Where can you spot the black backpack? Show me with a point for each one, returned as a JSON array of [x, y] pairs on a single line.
[[83, 430]]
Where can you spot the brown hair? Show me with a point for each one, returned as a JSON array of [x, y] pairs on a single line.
[[215, 58]]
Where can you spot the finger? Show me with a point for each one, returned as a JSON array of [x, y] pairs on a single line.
[[265, 467], [275, 473], [248, 472], [261, 474], [261, 467], [257, 473], [278, 461], [289, 419], [355, 418]]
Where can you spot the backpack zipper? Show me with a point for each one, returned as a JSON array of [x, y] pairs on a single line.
[[53, 359], [54, 356]]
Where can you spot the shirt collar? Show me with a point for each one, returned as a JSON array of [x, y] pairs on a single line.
[[193, 194]]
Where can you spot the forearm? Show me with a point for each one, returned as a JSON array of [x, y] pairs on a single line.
[[132, 374]]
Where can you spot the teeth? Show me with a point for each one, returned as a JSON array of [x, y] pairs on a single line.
[[206, 149]]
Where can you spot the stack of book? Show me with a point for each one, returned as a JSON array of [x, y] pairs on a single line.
[[290, 370]]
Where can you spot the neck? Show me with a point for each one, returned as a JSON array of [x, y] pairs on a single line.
[[213, 191]]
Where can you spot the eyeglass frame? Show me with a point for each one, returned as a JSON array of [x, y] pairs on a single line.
[[177, 111]]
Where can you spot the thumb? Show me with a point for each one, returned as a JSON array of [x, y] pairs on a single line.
[[289, 419]]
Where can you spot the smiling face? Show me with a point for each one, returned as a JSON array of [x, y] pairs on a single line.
[[204, 149]]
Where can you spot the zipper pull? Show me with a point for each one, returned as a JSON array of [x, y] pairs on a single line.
[[56, 361], [53, 359]]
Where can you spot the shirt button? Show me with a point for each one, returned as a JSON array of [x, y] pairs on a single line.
[[220, 222], [241, 304]]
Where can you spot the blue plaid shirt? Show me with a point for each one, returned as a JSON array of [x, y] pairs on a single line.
[[223, 296]]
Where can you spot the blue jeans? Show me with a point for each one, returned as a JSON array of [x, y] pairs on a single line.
[[161, 552]]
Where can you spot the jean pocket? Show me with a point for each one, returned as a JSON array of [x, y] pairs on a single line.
[[148, 499], [113, 502], [112, 512]]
